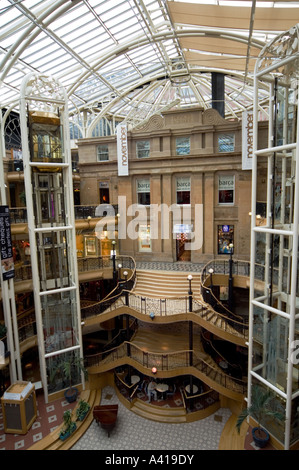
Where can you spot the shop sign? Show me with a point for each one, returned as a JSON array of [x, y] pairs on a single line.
[[7, 263], [122, 150], [226, 183], [182, 228], [247, 140], [143, 186], [183, 184]]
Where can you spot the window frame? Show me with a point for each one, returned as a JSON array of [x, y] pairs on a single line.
[[222, 145], [143, 192], [224, 203], [102, 153], [179, 147], [139, 151], [182, 191]]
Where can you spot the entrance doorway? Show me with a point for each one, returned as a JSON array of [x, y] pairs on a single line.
[[104, 193], [182, 254]]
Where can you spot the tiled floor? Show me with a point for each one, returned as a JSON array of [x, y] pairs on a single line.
[[49, 416], [133, 432]]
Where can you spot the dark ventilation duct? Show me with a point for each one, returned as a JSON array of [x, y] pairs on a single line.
[[218, 92]]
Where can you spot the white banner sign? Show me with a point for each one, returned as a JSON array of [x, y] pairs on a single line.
[[122, 150], [247, 140]]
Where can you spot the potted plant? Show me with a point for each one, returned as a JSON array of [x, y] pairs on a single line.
[[66, 368], [262, 407], [82, 410], [69, 426]]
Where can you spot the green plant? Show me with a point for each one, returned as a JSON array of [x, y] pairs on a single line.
[[68, 424], [83, 408], [262, 407], [67, 367]]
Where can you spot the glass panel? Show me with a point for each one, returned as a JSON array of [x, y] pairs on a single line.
[[145, 243], [45, 137], [226, 188], [143, 192], [225, 239], [103, 153], [56, 377], [270, 347], [226, 143], [48, 198], [143, 148], [183, 145], [59, 320], [52, 252]]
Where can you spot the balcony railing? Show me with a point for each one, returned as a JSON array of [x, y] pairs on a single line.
[[165, 362], [18, 215]]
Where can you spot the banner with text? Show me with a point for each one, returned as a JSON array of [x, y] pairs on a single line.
[[7, 262], [122, 150], [247, 140]]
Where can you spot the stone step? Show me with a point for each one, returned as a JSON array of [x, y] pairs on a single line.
[[165, 284], [159, 413]]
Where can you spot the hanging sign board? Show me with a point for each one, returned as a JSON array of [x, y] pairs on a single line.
[[7, 263], [247, 140], [122, 150]]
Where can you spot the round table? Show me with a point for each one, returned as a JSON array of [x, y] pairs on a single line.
[[135, 379], [162, 388], [195, 388]]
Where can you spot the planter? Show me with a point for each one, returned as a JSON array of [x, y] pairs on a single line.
[[71, 394], [260, 437], [65, 434], [82, 416]]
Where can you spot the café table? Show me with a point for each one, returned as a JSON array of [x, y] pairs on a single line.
[[195, 388], [162, 388], [135, 379]]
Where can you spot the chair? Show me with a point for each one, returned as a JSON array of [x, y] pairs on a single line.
[[171, 391]]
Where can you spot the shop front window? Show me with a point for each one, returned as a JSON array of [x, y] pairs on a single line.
[[145, 243], [225, 238], [143, 192], [183, 189], [226, 189]]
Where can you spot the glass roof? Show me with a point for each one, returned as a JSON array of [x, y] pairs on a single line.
[[129, 59]]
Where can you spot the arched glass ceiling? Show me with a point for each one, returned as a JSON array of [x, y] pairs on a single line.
[[129, 59]]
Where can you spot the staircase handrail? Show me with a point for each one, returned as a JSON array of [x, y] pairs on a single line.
[[204, 275], [178, 359]]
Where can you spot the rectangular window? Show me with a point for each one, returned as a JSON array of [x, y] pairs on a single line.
[[226, 189], [226, 143], [143, 148], [143, 192], [182, 145], [225, 239], [102, 153], [183, 189]]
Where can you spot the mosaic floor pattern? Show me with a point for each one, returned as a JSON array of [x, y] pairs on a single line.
[[133, 432]]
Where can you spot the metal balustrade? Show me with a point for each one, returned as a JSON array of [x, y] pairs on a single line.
[[164, 362]]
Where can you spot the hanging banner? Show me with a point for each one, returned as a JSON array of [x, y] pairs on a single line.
[[247, 140], [122, 150], [7, 263]]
